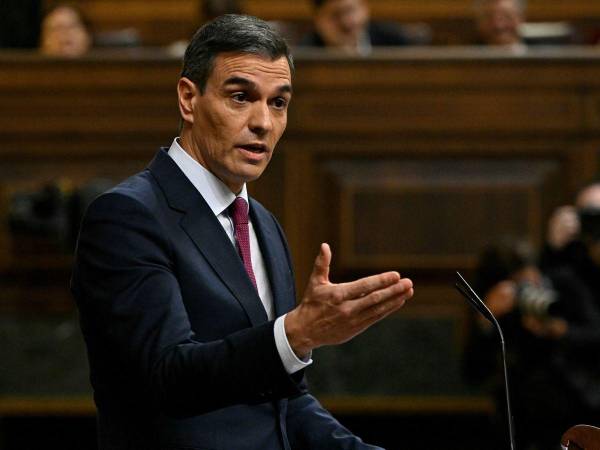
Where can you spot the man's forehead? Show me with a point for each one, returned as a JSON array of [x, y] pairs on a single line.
[[228, 65]]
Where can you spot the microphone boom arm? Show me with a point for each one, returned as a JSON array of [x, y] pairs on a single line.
[[467, 291]]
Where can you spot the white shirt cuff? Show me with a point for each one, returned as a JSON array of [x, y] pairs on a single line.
[[290, 361]]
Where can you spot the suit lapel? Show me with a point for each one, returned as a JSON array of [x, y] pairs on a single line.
[[208, 235], [275, 259]]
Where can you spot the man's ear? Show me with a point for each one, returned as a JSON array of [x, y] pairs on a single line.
[[187, 93]]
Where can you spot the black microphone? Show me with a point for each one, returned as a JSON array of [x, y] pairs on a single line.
[[467, 291]]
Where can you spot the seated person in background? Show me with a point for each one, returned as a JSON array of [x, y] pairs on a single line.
[[573, 238], [345, 25], [65, 32], [551, 326], [210, 10], [498, 22]]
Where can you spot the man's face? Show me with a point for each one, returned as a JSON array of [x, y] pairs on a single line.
[[589, 198], [63, 34], [232, 128], [341, 22], [499, 21]]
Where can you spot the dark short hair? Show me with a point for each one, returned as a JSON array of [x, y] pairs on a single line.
[[231, 33]]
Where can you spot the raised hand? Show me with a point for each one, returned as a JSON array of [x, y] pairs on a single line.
[[502, 298], [331, 313]]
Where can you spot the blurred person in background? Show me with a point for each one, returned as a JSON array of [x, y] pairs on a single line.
[[498, 22], [551, 326], [346, 25], [65, 32], [573, 238], [209, 10]]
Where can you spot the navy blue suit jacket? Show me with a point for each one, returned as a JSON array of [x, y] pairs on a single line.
[[182, 355]]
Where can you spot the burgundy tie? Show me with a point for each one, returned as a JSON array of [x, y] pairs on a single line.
[[239, 214]]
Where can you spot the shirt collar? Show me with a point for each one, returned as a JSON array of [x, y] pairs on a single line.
[[218, 196]]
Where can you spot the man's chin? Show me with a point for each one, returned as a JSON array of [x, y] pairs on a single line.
[[248, 175]]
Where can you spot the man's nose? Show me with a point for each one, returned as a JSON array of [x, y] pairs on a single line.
[[260, 119], [500, 20], [349, 22]]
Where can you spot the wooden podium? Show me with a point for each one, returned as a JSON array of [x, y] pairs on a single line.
[[581, 437]]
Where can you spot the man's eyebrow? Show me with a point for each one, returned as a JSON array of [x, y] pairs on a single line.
[[241, 81], [286, 88]]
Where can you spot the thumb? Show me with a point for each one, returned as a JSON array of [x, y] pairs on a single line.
[[320, 272]]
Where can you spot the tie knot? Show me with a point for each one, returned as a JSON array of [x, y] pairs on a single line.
[[239, 211]]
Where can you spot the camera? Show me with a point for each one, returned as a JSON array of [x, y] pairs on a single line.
[[48, 219], [535, 299]]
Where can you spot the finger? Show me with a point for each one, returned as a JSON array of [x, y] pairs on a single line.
[[401, 290], [382, 310], [365, 286], [320, 272]]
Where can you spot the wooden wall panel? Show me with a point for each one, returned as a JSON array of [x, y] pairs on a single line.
[[434, 213], [86, 107], [471, 109]]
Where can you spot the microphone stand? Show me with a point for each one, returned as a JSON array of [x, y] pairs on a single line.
[[467, 291]]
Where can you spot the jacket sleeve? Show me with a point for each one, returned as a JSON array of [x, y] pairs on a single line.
[[309, 425], [140, 342]]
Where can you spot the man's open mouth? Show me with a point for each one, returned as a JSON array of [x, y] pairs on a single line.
[[254, 148]]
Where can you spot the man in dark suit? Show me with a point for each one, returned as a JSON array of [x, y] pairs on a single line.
[[346, 25], [185, 286]]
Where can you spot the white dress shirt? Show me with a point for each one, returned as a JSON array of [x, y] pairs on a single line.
[[219, 197]]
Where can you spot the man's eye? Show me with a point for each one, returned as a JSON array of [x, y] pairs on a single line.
[[239, 97], [280, 103]]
